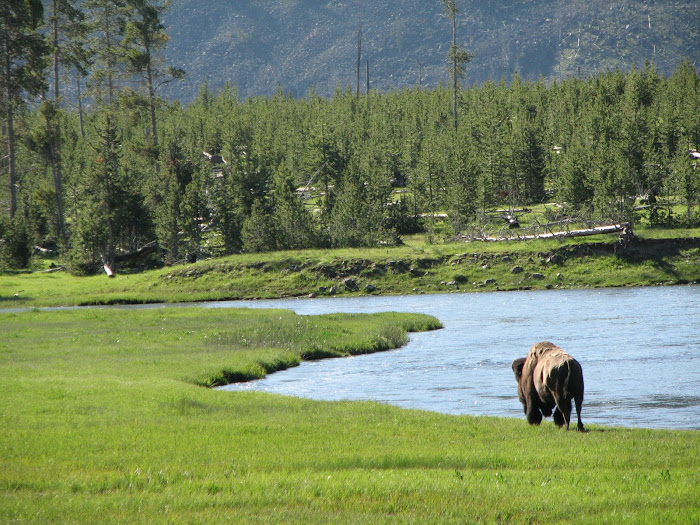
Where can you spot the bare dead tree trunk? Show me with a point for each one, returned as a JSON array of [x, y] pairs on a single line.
[[56, 90], [455, 76], [359, 58], [10, 127], [55, 134], [367, 75], [80, 105]]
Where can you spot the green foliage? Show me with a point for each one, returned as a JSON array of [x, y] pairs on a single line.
[[294, 224], [462, 180], [277, 173], [23, 54], [106, 21], [167, 195], [258, 230], [144, 40], [112, 213], [195, 211], [15, 244]]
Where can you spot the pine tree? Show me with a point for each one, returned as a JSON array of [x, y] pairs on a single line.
[[258, 232], [145, 38], [351, 224], [528, 149], [23, 54], [575, 183], [106, 22], [168, 195], [69, 50], [490, 137], [111, 214], [458, 58], [194, 211], [685, 181], [44, 139], [69, 32], [294, 224], [95, 235], [462, 181]]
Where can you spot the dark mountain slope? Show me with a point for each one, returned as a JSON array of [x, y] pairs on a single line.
[[295, 44]]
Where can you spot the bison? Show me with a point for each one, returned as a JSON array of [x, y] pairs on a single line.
[[548, 379]]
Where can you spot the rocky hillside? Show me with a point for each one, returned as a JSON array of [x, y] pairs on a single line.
[[261, 45]]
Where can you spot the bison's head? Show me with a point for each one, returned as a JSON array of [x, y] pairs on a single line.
[[518, 368]]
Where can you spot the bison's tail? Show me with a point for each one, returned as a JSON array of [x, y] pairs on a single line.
[[568, 377]]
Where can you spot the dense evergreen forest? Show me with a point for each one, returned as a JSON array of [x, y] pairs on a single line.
[[122, 170]]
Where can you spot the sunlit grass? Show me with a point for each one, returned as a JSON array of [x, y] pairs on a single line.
[[103, 421], [416, 267]]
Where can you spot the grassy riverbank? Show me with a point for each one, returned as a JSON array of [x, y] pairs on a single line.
[[655, 257], [105, 421]]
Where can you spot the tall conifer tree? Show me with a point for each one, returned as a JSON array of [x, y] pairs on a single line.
[[68, 47], [23, 53], [146, 38], [107, 22], [458, 57]]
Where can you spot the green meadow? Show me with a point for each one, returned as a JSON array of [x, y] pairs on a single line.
[[656, 257], [107, 417]]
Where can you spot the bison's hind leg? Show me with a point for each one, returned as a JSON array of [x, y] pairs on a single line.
[[579, 402]]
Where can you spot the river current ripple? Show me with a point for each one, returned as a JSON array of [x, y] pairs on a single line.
[[639, 349]]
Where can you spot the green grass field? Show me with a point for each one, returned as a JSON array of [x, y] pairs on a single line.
[[105, 419]]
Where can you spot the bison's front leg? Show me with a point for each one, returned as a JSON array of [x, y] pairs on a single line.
[[534, 416], [562, 415], [559, 418], [532, 409]]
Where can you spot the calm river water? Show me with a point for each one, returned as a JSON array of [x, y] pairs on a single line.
[[639, 349]]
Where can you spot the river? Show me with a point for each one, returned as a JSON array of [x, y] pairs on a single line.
[[639, 349]]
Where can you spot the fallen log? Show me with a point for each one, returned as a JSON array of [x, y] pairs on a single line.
[[623, 228], [146, 249], [54, 268], [510, 212]]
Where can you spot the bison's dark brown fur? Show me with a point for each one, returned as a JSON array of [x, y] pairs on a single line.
[[548, 379]]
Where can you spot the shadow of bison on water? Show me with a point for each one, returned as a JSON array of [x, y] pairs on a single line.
[[548, 379]]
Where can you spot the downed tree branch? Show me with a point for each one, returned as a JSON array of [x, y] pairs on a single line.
[[146, 249]]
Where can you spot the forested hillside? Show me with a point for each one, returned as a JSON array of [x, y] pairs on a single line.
[[259, 45], [124, 172]]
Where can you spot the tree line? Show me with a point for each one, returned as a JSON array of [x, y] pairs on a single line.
[[115, 168]]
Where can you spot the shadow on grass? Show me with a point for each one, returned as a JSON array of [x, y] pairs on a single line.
[[657, 252]]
